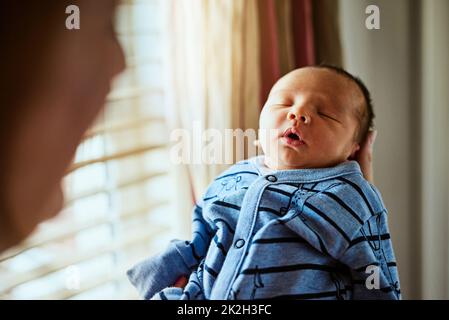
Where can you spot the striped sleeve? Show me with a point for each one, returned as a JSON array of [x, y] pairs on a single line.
[[192, 252], [179, 258], [330, 217], [348, 221], [157, 272], [371, 261]]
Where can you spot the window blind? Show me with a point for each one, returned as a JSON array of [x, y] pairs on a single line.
[[117, 207]]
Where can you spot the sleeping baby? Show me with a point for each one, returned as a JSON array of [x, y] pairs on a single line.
[[299, 222]]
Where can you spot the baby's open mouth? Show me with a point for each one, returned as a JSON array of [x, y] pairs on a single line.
[[293, 137]]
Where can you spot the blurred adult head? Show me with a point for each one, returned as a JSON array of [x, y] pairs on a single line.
[[53, 82]]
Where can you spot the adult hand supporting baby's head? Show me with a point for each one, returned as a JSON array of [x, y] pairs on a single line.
[[365, 156]]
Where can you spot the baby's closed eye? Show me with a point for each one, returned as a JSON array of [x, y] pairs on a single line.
[[282, 102], [326, 115]]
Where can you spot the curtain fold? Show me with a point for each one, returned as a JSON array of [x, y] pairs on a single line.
[[213, 83], [269, 44], [285, 35], [303, 32], [287, 38], [327, 32]]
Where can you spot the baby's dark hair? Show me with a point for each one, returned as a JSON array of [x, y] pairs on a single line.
[[366, 116]]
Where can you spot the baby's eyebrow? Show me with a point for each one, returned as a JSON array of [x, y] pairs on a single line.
[[329, 102], [280, 91]]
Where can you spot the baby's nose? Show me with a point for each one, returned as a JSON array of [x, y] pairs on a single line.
[[298, 117]]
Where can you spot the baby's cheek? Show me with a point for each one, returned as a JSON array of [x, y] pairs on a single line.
[[337, 148], [263, 139], [269, 142]]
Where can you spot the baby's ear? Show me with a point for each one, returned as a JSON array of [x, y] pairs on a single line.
[[355, 148]]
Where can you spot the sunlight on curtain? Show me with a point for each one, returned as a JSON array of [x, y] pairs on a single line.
[[214, 74]]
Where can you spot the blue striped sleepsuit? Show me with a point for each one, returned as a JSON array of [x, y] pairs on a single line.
[[289, 234]]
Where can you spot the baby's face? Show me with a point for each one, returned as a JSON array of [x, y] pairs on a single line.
[[310, 120]]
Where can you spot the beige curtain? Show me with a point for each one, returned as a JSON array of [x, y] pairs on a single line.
[[285, 36], [213, 80], [327, 32]]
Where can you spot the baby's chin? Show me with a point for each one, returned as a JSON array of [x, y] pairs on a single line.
[[286, 161]]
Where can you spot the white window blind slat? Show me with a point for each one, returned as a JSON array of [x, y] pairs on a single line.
[[119, 186], [142, 235], [115, 126], [57, 234], [129, 93], [116, 156]]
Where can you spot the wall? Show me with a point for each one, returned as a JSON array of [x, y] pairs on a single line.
[[435, 156], [383, 61], [404, 64]]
